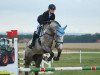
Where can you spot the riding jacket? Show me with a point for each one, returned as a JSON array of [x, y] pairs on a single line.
[[45, 18]]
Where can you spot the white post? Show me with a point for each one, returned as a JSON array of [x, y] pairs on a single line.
[[16, 50], [49, 64], [80, 56], [52, 60], [42, 64], [24, 57]]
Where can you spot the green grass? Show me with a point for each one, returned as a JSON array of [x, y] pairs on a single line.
[[67, 60], [77, 73]]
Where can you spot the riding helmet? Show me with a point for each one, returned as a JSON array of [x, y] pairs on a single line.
[[52, 7]]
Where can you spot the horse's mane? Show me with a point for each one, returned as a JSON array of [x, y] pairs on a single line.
[[57, 23]]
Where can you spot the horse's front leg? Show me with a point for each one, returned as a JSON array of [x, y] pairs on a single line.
[[51, 56], [56, 58], [47, 49]]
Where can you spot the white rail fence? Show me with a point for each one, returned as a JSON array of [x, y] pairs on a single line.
[[80, 54]]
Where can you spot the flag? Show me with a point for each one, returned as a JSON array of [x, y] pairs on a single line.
[[14, 32], [9, 34]]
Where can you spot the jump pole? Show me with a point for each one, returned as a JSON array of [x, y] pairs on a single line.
[[60, 69]]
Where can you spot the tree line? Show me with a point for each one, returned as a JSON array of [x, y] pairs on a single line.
[[86, 38]]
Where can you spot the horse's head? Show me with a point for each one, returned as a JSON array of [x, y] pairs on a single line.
[[59, 33]]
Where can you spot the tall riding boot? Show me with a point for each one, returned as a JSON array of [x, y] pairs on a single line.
[[35, 36]]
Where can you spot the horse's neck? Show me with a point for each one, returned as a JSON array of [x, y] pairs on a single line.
[[48, 36], [47, 30], [47, 39]]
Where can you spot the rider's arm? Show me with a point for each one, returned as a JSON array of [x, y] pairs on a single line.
[[52, 17], [45, 17]]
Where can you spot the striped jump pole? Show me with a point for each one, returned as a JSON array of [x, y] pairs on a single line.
[[60, 69]]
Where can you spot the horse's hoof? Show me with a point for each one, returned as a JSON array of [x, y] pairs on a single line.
[[56, 59]]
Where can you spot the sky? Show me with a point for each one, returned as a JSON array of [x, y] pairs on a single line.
[[81, 16]]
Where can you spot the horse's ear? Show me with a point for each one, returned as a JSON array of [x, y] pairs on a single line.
[[65, 27]]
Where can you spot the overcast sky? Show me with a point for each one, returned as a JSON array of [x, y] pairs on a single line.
[[81, 16]]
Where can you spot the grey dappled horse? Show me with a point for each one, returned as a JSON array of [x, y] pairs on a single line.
[[43, 44]]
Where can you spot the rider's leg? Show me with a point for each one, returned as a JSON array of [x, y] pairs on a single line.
[[35, 36], [39, 30]]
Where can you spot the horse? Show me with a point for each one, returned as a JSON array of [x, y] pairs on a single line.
[[43, 44]]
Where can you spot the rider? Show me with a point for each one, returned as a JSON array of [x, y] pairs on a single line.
[[43, 19]]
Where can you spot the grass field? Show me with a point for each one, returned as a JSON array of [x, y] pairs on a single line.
[[67, 60], [73, 60]]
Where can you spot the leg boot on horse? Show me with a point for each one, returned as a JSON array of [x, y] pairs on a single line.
[[51, 56]]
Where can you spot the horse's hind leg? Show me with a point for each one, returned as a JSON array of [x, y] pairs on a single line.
[[38, 62], [27, 63]]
